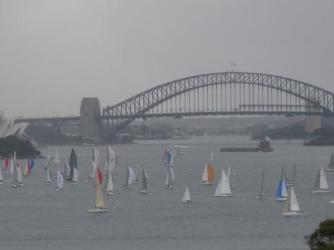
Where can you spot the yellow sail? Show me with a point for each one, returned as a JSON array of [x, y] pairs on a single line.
[[99, 196], [211, 173]]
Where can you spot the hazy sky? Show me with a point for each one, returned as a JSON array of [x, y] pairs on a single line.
[[54, 52]]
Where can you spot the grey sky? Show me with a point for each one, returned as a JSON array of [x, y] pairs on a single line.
[[52, 53]]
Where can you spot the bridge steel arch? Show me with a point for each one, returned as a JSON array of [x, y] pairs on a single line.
[[257, 93]]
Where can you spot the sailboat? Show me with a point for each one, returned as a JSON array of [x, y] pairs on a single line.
[[292, 179], [11, 166], [186, 196], [169, 158], [75, 178], [26, 170], [260, 193], [60, 180], [291, 206], [208, 175], [321, 185], [73, 163], [47, 167], [111, 160], [99, 201], [13, 170], [19, 175], [223, 188], [109, 186], [331, 163], [1, 177], [130, 177], [94, 163], [170, 178], [231, 176], [211, 156], [143, 188], [281, 191]]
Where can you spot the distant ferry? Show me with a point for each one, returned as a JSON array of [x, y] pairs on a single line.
[[263, 146]]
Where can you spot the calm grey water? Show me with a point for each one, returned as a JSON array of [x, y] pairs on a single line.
[[37, 217]]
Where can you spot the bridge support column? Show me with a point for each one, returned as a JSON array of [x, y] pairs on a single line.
[[312, 122], [90, 123]]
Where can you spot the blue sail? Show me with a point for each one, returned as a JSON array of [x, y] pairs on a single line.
[[281, 192], [279, 189]]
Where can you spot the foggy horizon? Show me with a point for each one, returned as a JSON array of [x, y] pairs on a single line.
[[53, 53]]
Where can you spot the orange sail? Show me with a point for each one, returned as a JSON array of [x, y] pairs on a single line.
[[211, 173]]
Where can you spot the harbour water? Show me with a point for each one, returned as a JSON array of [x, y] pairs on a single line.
[[37, 217]]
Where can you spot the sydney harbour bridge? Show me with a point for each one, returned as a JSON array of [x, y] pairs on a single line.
[[214, 94]]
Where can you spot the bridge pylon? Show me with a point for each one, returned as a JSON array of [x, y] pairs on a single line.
[[90, 120]]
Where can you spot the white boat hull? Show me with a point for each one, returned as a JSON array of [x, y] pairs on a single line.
[[282, 199], [329, 169], [208, 183], [259, 197], [320, 191], [292, 213], [98, 210], [223, 195], [188, 201]]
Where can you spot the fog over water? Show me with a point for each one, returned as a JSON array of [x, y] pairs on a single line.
[[53, 53]]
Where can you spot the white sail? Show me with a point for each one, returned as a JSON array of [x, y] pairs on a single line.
[[291, 206], [284, 192], [48, 176], [111, 160], [11, 166], [56, 159], [170, 178], [60, 180], [205, 173], [131, 176], [110, 184], [19, 174], [94, 162], [223, 188], [321, 185], [294, 206], [260, 193], [331, 163], [186, 196], [211, 156], [323, 180], [93, 168], [67, 169], [75, 175]]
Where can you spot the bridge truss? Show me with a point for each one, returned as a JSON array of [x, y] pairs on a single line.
[[225, 93]]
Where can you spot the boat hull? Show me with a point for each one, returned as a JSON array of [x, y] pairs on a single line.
[[281, 198], [187, 201], [208, 183], [329, 169], [320, 191], [292, 213], [98, 210], [331, 202], [223, 195]]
